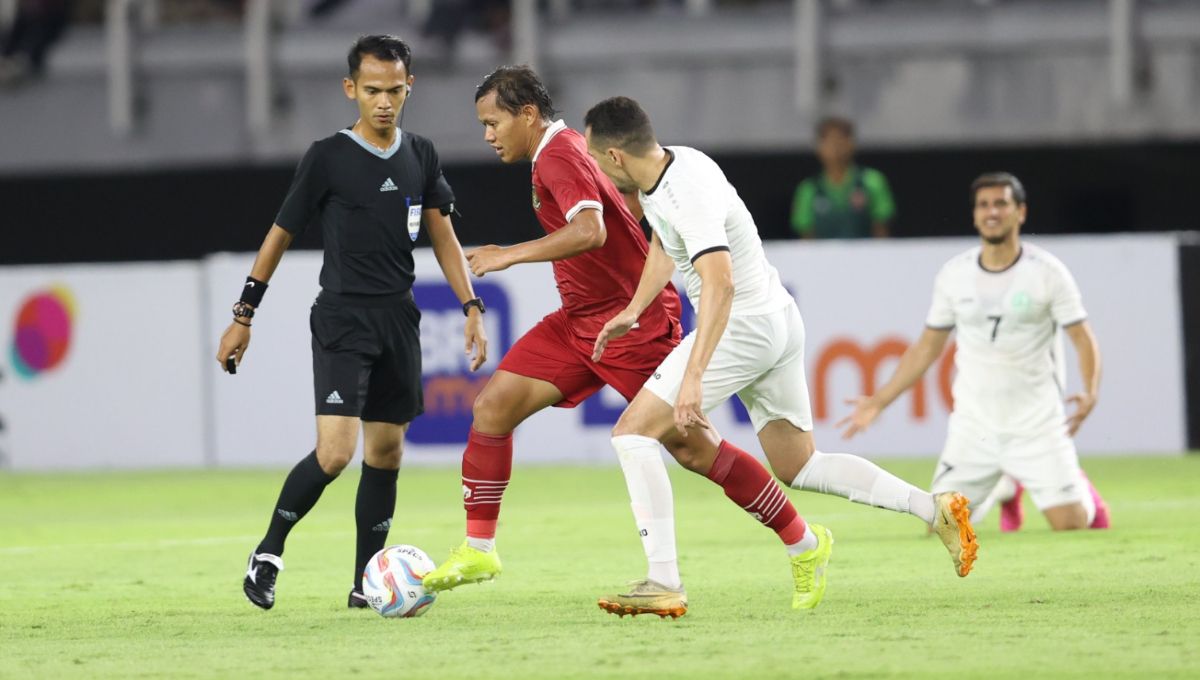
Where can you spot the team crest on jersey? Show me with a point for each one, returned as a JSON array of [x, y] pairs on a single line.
[[537, 202], [1021, 301]]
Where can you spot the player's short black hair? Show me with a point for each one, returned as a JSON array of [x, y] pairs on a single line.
[[844, 125], [621, 122], [999, 179], [382, 47], [516, 86]]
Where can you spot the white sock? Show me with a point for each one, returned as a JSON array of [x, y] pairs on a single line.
[[860, 480], [808, 542], [482, 544], [652, 503]]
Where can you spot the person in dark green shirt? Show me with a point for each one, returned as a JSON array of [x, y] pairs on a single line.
[[845, 200]]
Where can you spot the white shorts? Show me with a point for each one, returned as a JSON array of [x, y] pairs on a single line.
[[759, 358], [1046, 465]]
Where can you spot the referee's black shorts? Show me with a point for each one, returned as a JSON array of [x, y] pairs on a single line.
[[367, 356]]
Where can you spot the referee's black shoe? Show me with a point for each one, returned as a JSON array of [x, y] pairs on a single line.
[[259, 584], [357, 600]]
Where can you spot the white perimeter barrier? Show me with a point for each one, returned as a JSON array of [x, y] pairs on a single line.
[[100, 366], [137, 384]]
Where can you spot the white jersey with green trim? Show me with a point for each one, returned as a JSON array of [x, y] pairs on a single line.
[[1011, 374], [695, 210]]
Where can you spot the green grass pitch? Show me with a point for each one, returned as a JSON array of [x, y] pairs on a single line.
[[138, 575]]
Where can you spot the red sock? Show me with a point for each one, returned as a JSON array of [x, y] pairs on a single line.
[[486, 468], [747, 483]]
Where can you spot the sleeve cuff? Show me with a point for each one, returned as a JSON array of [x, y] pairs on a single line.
[[583, 205], [706, 251]]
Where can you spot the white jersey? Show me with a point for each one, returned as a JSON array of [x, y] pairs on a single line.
[[1010, 357], [695, 210]]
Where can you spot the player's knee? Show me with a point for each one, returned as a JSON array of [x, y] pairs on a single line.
[[623, 428], [1071, 524], [1068, 518], [633, 422], [334, 458], [384, 457], [689, 457], [490, 413]]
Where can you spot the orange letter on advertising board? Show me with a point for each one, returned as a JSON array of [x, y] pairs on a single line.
[[867, 362]]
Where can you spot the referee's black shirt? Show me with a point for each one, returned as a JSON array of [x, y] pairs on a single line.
[[369, 203]]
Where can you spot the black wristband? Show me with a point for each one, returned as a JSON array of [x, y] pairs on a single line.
[[253, 291], [474, 302]]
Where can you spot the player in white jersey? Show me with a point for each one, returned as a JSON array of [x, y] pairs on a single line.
[[1007, 302], [749, 341]]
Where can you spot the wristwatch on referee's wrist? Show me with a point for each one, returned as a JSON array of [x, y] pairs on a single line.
[[475, 302], [241, 310]]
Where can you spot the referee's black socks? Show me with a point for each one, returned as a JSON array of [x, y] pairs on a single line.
[[373, 511], [299, 494]]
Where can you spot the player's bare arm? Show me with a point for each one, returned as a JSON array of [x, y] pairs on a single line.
[[584, 232], [449, 254], [1088, 351], [655, 275], [716, 300], [236, 338], [916, 360]]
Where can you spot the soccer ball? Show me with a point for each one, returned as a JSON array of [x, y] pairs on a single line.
[[392, 582]]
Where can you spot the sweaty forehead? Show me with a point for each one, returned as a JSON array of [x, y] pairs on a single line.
[[487, 109]]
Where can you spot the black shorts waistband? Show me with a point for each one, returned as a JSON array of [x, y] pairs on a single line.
[[355, 300]]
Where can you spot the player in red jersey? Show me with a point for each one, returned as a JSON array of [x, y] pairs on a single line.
[[598, 251]]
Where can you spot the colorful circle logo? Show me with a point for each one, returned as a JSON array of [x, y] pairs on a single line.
[[43, 331]]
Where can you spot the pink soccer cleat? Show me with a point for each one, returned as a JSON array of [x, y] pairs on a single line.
[[1012, 515], [1101, 519]]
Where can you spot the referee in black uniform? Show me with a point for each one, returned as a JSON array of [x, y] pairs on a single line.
[[372, 187]]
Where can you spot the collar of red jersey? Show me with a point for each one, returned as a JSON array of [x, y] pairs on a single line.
[[555, 128]]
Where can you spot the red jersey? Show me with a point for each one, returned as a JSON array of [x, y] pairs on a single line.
[[596, 285]]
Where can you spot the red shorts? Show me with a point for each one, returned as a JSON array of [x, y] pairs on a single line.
[[551, 352]]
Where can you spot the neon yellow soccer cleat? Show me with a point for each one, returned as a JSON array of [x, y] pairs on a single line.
[[647, 597], [952, 524], [808, 570], [464, 565]]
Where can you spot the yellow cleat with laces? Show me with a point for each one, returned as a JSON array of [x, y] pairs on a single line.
[[464, 565], [808, 570]]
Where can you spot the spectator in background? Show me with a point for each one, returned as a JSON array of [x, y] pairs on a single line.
[[37, 25], [450, 18], [844, 201]]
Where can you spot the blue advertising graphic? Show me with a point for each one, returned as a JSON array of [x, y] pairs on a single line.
[[450, 386]]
